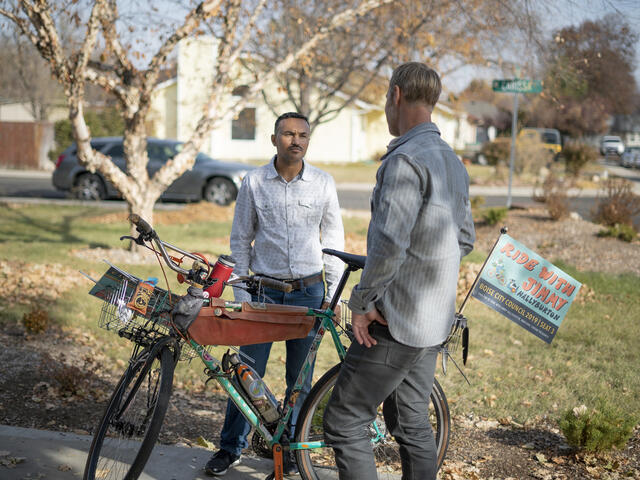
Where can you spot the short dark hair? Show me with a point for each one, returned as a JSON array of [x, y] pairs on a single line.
[[289, 115], [417, 82]]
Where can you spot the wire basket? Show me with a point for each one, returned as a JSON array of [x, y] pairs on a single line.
[[143, 326], [117, 315]]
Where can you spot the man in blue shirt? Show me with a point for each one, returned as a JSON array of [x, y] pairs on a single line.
[[404, 304]]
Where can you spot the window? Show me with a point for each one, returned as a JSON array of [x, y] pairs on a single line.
[[243, 127], [115, 151], [160, 152]]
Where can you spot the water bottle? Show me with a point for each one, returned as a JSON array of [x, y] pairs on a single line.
[[221, 272], [259, 394]]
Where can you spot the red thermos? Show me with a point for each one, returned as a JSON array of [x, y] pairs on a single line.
[[220, 274]]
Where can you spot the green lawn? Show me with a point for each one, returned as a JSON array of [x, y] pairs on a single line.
[[594, 355]]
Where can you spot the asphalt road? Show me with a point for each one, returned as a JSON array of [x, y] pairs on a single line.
[[352, 196]]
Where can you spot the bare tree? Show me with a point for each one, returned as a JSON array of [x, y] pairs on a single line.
[[107, 56], [347, 65], [588, 77]]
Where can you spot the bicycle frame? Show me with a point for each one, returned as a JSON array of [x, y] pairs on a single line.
[[324, 323]]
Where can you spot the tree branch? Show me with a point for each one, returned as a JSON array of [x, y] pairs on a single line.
[[204, 10]]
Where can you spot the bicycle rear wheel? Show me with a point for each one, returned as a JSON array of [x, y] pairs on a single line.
[[319, 463], [131, 423]]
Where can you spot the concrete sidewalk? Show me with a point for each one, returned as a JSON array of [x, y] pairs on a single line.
[[38, 454]]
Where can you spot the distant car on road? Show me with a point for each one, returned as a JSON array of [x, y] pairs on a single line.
[[211, 180], [549, 137], [611, 145], [631, 157]]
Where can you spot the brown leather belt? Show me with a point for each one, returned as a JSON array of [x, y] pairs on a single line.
[[300, 283]]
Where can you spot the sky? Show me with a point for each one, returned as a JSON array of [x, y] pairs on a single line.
[[556, 15]]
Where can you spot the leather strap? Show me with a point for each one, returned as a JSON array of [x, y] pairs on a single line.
[[300, 283]]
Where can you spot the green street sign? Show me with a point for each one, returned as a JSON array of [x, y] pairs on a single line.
[[517, 85]]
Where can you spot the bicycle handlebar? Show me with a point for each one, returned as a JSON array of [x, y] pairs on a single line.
[[261, 281], [149, 234], [274, 283], [142, 226], [195, 273]]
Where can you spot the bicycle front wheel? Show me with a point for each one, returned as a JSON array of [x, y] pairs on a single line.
[[319, 463], [131, 423]]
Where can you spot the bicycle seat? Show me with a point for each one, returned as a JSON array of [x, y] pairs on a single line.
[[354, 261]]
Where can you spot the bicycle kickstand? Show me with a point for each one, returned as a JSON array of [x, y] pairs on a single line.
[[278, 473]]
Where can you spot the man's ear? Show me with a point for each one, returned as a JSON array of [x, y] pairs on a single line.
[[273, 140], [396, 95]]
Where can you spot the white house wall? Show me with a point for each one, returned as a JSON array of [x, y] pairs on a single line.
[[357, 133]]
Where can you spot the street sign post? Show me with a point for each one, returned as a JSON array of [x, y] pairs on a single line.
[[515, 86]]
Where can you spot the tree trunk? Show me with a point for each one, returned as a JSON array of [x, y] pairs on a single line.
[[141, 205]]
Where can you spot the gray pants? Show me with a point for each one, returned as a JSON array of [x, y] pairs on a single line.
[[400, 377]]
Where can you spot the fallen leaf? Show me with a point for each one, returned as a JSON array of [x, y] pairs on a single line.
[[540, 457], [203, 442]]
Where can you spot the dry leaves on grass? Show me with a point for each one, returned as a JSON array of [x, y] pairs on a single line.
[[191, 212], [25, 283]]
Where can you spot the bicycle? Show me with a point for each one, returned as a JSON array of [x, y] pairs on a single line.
[[139, 403]]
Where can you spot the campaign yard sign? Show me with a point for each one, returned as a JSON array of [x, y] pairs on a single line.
[[524, 287]]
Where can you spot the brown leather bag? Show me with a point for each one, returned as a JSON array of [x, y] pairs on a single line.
[[215, 325]]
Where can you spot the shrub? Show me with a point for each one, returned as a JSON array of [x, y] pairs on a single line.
[[35, 321], [554, 195], [477, 202], [576, 156], [617, 204], [597, 430], [622, 232], [494, 215], [69, 379], [531, 156], [497, 151], [103, 123]]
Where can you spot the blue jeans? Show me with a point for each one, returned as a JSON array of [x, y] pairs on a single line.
[[401, 378], [235, 430]]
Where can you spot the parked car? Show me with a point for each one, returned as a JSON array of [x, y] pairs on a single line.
[[549, 137], [212, 180], [611, 145], [631, 157]]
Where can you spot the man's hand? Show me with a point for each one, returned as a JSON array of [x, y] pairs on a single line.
[[337, 312], [360, 326]]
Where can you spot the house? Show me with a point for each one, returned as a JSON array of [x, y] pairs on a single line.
[[358, 133]]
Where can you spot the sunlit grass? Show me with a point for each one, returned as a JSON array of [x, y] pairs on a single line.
[[513, 374]]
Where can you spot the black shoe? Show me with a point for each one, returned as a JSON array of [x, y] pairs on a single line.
[[221, 462], [289, 464]]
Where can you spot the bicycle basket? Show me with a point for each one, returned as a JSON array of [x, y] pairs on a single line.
[[134, 309]]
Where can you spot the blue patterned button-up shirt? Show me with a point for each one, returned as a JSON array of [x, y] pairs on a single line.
[[280, 228], [420, 227]]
